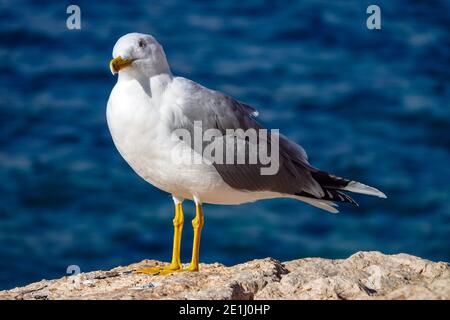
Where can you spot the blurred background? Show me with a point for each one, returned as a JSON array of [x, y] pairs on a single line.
[[372, 105]]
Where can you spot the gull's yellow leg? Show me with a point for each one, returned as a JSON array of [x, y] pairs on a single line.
[[175, 265], [177, 231], [197, 224]]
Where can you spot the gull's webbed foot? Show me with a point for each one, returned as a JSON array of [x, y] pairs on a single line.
[[150, 271], [160, 270]]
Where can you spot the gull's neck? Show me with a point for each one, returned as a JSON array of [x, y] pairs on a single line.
[[153, 86], [159, 83]]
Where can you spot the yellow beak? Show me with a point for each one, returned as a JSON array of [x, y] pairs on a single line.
[[117, 64]]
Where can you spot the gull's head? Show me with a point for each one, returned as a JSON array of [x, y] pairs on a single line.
[[139, 55]]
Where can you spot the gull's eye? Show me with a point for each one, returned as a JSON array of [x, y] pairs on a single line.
[[142, 43]]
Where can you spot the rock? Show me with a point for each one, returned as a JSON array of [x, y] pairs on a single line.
[[364, 275]]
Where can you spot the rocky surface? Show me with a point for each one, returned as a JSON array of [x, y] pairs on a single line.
[[364, 275]]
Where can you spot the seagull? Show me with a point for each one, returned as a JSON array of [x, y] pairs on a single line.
[[148, 104]]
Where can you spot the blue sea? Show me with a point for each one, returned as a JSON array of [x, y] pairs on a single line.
[[371, 105]]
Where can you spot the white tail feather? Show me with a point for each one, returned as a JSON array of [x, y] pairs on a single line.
[[358, 187], [322, 204]]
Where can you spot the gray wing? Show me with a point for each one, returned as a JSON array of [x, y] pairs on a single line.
[[218, 111]]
